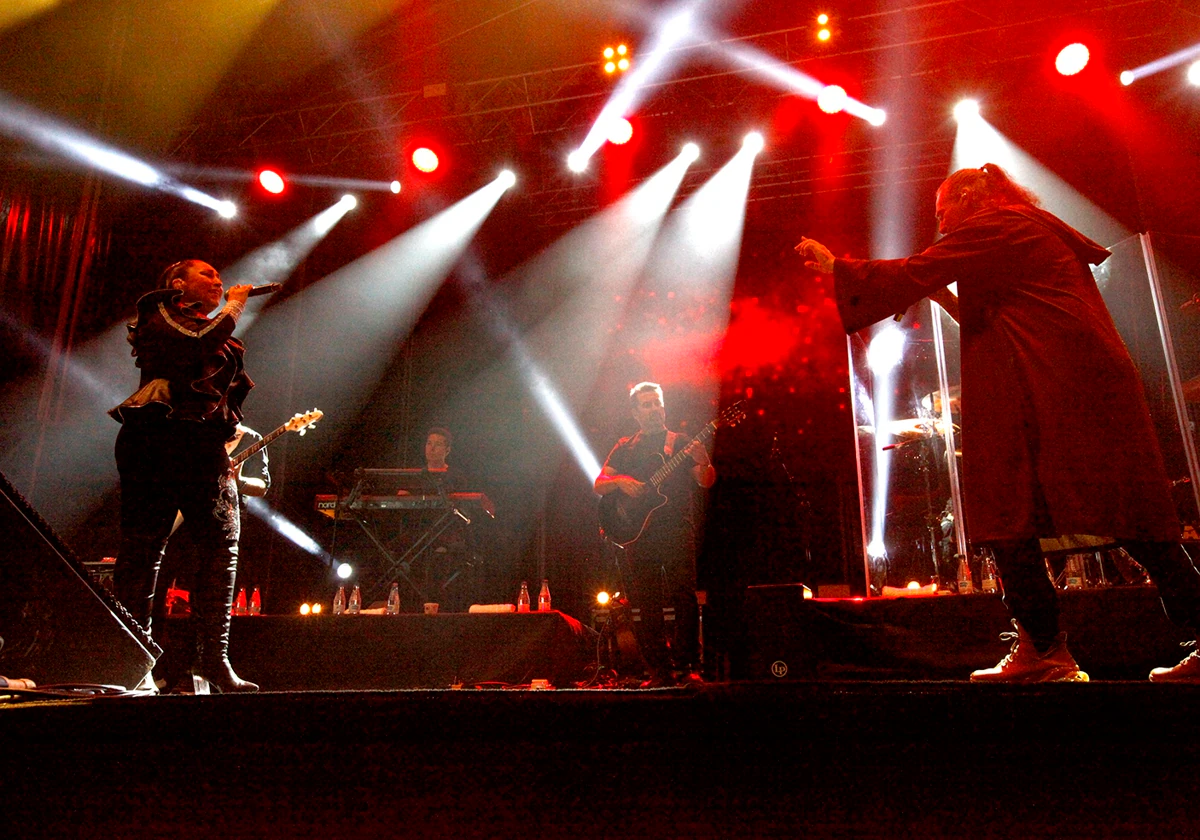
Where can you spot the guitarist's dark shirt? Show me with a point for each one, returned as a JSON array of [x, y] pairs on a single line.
[[642, 454]]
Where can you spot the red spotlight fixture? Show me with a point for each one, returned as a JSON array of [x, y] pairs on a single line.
[[832, 99], [620, 131], [425, 159], [271, 181], [1072, 59]]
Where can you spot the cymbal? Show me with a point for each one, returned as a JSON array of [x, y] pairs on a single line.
[[909, 428], [933, 401]]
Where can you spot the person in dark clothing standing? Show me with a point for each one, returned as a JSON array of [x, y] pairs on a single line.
[[1057, 438], [659, 567], [171, 453]]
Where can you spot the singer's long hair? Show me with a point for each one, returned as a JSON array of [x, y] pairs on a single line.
[[988, 186]]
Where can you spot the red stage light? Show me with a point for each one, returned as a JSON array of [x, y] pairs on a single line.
[[1071, 59], [271, 181], [832, 99], [620, 131], [425, 159]]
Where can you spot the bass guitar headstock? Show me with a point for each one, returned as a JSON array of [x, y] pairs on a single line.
[[301, 422]]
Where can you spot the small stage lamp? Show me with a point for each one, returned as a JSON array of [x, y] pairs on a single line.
[[271, 181], [620, 131], [425, 159], [1072, 59]]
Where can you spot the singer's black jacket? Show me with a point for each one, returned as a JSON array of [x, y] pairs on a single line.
[[1056, 435], [191, 366]]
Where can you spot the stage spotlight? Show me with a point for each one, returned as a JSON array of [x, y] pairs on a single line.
[[271, 181], [620, 131], [506, 178], [227, 209], [316, 609], [822, 19], [690, 152], [610, 67], [965, 110], [577, 161], [425, 159], [305, 609], [623, 64], [824, 35], [1127, 77], [832, 99], [1072, 59], [349, 201], [602, 598], [622, 49], [1193, 73], [344, 570], [877, 116], [753, 142], [395, 187], [609, 52]]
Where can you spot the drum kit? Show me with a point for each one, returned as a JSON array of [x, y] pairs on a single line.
[[929, 425], [919, 510]]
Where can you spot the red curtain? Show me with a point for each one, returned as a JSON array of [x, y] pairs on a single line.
[[53, 240]]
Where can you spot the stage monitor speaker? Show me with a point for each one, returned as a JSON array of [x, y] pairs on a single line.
[[57, 626]]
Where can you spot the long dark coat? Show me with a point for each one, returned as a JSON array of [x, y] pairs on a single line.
[[1056, 435]]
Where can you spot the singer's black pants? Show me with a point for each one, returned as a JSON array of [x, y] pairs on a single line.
[[167, 468]]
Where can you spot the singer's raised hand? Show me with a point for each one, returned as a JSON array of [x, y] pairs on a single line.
[[819, 257]]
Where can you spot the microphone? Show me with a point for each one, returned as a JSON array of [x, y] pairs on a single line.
[[264, 289]]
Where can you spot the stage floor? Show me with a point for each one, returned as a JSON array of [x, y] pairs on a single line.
[[830, 758]]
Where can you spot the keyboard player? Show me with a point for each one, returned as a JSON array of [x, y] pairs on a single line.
[[449, 561]]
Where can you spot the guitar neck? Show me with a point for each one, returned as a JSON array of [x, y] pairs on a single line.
[[664, 472], [238, 459]]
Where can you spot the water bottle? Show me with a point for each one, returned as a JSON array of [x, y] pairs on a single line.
[[965, 586], [393, 604], [239, 606], [256, 602], [339, 601], [1075, 576], [523, 598], [544, 597], [987, 574], [355, 605]]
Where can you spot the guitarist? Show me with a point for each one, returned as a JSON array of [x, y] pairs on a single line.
[[659, 567]]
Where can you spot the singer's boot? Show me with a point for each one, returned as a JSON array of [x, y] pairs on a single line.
[[134, 577], [210, 610]]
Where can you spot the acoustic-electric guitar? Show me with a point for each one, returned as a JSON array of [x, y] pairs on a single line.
[[624, 518]]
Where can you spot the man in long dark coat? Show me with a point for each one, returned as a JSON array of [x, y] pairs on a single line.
[[1056, 435]]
